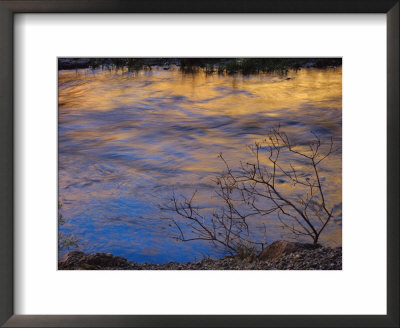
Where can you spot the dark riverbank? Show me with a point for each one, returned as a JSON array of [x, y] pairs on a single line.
[[209, 65], [281, 256]]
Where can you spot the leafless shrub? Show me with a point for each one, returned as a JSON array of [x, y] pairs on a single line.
[[65, 241], [282, 181]]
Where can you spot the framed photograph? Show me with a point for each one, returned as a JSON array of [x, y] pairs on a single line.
[[217, 164]]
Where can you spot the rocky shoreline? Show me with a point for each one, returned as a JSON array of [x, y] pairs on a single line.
[[280, 255]]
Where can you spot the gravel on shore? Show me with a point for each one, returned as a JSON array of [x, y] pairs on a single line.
[[322, 258]]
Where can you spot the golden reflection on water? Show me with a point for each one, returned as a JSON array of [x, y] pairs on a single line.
[[126, 140]]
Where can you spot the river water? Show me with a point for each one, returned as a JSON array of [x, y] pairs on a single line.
[[128, 140]]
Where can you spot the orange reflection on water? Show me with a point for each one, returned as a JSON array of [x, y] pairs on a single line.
[[126, 140]]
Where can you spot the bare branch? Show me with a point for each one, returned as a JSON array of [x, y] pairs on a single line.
[[259, 189]]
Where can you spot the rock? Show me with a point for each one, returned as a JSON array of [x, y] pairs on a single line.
[[105, 260], [79, 260], [70, 260], [281, 247]]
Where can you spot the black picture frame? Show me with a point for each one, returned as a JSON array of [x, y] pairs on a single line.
[[10, 7]]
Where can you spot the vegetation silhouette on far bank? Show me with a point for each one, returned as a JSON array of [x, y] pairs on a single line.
[[230, 66]]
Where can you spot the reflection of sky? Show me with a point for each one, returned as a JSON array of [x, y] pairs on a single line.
[[127, 140]]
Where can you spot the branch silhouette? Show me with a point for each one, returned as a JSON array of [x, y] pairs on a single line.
[[282, 181]]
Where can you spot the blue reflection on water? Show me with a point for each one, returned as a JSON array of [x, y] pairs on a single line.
[[127, 141]]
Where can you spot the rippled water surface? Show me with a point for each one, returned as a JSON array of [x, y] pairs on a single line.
[[127, 140]]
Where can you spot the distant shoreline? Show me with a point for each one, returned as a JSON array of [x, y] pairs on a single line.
[[300, 257], [209, 65]]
